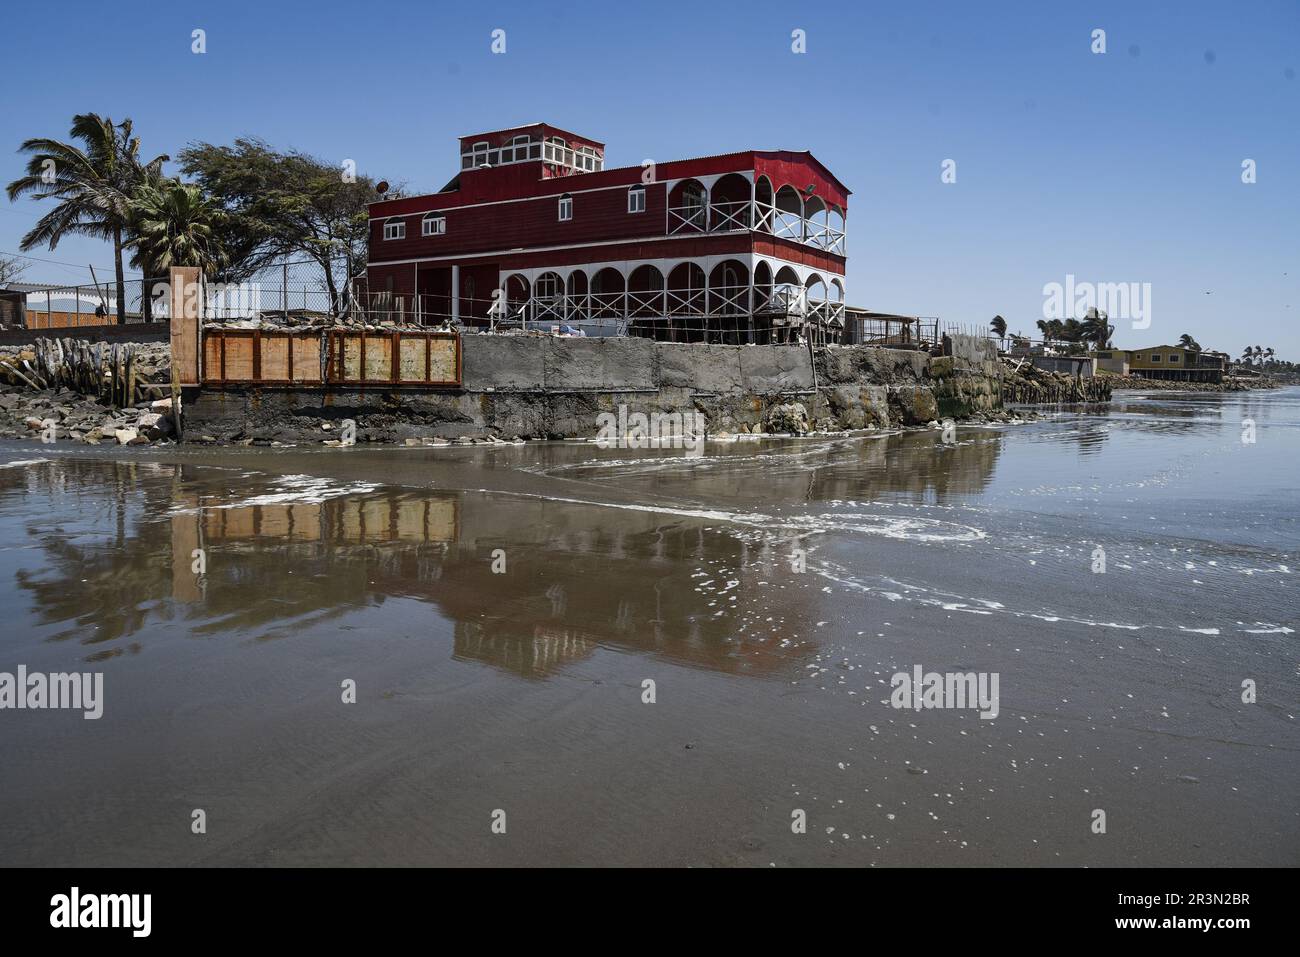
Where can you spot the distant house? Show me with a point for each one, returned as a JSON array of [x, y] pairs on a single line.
[[12, 308], [29, 305], [1175, 362], [1111, 360]]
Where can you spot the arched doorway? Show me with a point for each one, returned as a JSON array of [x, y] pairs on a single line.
[[729, 204], [608, 290], [688, 207], [645, 302], [729, 300], [788, 222], [687, 297]]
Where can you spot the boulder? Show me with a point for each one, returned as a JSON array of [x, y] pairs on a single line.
[[789, 417]]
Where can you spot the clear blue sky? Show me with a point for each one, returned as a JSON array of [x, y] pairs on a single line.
[[1122, 167]]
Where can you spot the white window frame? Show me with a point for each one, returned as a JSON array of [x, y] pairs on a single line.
[[433, 219], [565, 211], [394, 229], [639, 206]]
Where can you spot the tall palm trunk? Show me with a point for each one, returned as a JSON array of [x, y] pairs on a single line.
[[121, 277]]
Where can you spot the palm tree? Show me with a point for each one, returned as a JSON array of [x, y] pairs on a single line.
[[93, 186], [174, 224], [1096, 328], [1045, 327], [1188, 343], [999, 327]]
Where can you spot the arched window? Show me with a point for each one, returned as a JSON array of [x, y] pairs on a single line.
[[395, 228], [434, 224], [636, 199], [566, 208]]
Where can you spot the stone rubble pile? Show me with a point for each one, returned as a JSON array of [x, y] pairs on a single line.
[[60, 415]]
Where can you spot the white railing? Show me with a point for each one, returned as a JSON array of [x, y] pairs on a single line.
[[606, 305], [824, 236], [729, 300], [731, 216], [645, 303], [686, 302], [689, 218], [788, 225], [785, 300]]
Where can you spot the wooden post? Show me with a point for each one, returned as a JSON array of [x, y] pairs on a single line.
[[176, 403], [186, 317]]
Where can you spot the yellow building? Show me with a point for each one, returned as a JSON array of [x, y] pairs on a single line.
[[1110, 360], [1175, 362]]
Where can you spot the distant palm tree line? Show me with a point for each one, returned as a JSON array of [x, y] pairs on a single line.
[[1095, 332]]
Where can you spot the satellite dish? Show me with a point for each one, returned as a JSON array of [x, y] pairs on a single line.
[[381, 187]]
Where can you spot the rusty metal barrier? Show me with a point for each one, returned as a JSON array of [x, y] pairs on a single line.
[[344, 357]]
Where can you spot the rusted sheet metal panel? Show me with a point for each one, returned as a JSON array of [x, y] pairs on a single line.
[[272, 357], [422, 358]]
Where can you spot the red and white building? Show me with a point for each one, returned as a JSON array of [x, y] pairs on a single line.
[[534, 230]]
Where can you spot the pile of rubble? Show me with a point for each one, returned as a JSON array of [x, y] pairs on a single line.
[[319, 323], [87, 367], [1026, 385], [50, 416]]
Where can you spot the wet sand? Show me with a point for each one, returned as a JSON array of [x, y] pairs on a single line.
[[522, 691]]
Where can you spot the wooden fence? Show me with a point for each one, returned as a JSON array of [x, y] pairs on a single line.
[[238, 357]]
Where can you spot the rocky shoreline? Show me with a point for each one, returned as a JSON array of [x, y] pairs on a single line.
[[738, 392], [1132, 384]]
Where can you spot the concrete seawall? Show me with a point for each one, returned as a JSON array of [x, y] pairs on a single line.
[[547, 387]]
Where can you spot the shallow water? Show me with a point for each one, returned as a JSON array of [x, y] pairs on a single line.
[[522, 691]]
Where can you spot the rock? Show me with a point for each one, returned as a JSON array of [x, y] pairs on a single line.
[[413, 442], [126, 436], [789, 417]]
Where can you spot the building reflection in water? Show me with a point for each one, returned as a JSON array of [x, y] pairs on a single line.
[[121, 541]]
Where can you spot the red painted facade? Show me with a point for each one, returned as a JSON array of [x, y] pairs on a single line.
[[536, 198]]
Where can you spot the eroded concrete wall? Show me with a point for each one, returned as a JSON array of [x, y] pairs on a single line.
[[967, 378], [547, 387]]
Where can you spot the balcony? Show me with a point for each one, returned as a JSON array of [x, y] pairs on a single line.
[[734, 204]]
